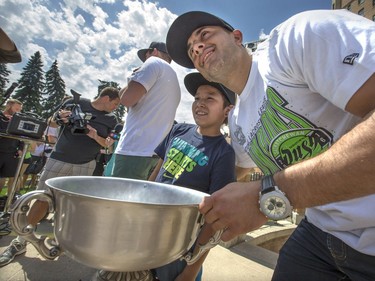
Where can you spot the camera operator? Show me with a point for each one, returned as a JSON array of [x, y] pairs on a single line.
[[79, 143], [74, 153], [10, 149]]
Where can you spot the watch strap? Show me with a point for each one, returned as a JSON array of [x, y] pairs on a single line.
[[268, 184]]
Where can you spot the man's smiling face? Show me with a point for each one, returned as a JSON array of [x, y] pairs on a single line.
[[210, 49]]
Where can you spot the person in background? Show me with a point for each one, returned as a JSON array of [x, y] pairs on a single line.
[[51, 132], [35, 164], [305, 115], [10, 149], [74, 153], [197, 157], [152, 96]]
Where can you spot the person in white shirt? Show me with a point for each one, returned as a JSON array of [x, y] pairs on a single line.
[[152, 97], [305, 115]]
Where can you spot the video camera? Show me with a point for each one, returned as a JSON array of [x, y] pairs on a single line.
[[77, 119]]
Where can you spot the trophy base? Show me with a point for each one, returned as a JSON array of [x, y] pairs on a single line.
[[103, 275]]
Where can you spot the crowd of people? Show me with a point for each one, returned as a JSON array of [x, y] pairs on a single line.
[[301, 108]]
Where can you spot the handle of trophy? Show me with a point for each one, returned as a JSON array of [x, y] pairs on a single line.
[[191, 258], [18, 220]]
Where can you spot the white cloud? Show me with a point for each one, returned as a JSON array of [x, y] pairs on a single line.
[[81, 20], [90, 40]]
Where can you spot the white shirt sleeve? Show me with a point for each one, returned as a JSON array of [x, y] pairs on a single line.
[[333, 57]]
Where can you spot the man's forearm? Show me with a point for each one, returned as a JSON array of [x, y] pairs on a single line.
[[345, 171], [102, 141]]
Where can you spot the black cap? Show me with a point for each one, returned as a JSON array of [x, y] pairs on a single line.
[[194, 80], [182, 28], [158, 45]]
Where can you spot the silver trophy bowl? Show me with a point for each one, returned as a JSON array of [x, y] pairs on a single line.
[[115, 224]]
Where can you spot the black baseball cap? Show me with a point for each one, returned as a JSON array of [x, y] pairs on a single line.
[[182, 28], [194, 80], [158, 45]]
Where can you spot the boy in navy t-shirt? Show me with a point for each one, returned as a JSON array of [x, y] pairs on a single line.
[[197, 157]]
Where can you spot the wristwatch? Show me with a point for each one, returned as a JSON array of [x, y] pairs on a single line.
[[272, 201]]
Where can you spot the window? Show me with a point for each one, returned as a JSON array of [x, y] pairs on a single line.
[[360, 2], [361, 12], [349, 7]]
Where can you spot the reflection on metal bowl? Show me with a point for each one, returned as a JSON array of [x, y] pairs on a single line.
[[116, 224]]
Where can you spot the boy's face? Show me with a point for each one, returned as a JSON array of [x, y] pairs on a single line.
[[208, 107]]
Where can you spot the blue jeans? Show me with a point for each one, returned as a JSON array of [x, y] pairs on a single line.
[[311, 254]]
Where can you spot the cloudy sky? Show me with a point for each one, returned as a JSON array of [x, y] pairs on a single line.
[[98, 39]]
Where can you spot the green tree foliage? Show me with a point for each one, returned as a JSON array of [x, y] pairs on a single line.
[[54, 90], [31, 85], [41, 92], [120, 111], [4, 73]]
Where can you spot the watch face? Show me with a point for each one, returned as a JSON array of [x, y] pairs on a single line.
[[273, 206]]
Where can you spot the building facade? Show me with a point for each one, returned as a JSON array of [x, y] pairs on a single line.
[[364, 8]]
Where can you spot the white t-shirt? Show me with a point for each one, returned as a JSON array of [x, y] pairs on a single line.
[[149, 121], [39, 149], [51, 131], [292, 107]]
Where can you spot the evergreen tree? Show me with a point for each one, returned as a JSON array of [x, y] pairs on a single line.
[[120, 111], [31, 85], [4, 73], [54, 90]]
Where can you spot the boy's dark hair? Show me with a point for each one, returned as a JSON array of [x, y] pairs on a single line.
[[194, 80], [111, 92]]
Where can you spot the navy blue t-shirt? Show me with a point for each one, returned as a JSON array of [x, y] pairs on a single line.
[[198, 162]]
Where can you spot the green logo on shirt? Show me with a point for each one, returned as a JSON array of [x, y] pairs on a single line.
[[181, 157], [282, 137]]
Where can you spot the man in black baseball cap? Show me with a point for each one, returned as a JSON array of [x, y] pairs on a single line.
[[293, 84], [160, 46], [181, 30]]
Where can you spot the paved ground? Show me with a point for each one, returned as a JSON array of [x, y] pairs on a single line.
[[240, 262]]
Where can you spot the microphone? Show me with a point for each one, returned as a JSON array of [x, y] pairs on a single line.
[[115, 133], [10, 90]]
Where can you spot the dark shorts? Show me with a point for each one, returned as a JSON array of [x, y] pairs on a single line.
[[8, 165], [133, 167]]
